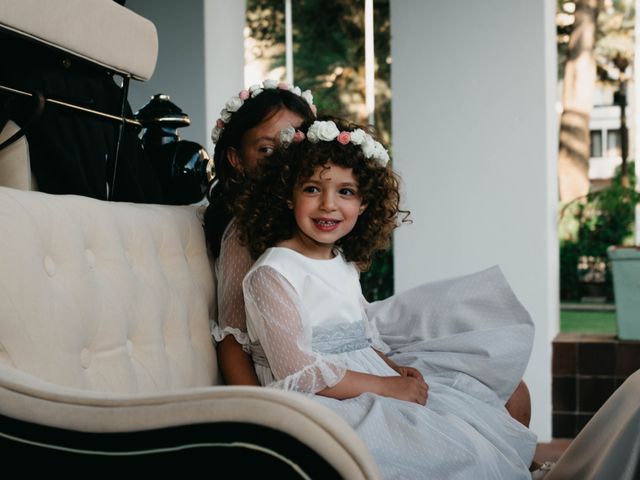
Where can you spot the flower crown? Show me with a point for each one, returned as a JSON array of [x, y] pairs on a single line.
[[234, 103], [327, 131]]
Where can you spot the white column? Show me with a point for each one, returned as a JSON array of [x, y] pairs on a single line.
[[369, 61], [224, 22], [288, 35], [475, 141]]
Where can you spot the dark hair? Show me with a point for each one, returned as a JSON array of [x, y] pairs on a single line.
[[228, 180], [265, 219]]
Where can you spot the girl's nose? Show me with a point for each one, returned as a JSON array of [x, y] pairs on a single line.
[[328, 203]]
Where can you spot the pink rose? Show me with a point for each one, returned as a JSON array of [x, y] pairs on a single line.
[[298, 136], [344, 138], [314, 110], [244, 94], [283, 86], [219, 123]]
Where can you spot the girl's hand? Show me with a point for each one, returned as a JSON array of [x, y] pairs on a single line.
[[403, 371], [409, 372], [408, 388]]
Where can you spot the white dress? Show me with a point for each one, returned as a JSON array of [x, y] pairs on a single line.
[[307, 324]]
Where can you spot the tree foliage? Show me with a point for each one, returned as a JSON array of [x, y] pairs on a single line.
[[328, 44], [615, 35], [588, 227], [592, 223]]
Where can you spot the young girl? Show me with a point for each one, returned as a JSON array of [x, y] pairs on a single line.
[[316, 212]]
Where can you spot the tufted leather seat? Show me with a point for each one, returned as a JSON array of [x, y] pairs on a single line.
[[123, 292]]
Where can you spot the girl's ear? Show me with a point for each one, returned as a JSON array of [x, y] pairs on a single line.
[[290, 204], [234, 158], [363, 207]]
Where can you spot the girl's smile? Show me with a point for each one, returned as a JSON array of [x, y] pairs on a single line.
[[326, 224], [326, 207]]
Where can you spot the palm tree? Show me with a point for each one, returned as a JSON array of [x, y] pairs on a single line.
[[577, 98]]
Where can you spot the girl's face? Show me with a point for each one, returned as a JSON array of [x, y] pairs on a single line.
[[326, 208], [260, 141]]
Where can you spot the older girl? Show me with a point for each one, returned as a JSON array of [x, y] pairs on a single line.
[[246, 132]]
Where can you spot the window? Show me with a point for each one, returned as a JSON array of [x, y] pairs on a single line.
[[596, 143], [614, 143]]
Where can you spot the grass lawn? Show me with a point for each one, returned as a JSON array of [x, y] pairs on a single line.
[[587, 322]]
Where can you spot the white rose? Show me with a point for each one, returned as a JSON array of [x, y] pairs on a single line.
[[307, 96], [215, 134], [268, 83], [312, 134], [384, 159], [286, 136], [381, 154], [295, 90], [368, 146], [357, 136], [233, 104], [225, 115], [255, 90], [327, 131]]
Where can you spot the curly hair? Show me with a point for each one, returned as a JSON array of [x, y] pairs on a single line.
[[252, 113], [264, 216]]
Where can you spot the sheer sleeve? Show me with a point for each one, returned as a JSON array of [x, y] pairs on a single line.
[[231, 266], [276, 318]]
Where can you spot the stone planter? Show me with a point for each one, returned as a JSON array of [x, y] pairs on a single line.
[[625, 265]]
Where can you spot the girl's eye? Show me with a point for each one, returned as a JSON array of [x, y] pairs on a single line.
[[348, 192], [310, 189], [266, 151]]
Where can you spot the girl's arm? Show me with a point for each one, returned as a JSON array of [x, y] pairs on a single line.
[[409, 388], [233, 264], [236, 366], [276, 317]]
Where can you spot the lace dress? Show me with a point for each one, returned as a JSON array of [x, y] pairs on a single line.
[[307, 324], [231, 266]]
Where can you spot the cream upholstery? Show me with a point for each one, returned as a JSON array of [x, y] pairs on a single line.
[[84, 28], [104, 327], [122, 291]]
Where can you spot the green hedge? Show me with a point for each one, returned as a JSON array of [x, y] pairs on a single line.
[[588, 226]]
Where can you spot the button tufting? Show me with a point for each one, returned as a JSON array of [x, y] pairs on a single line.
[[91, 258], [130, 347], [85, 358], [49, 266]]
